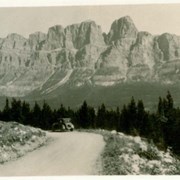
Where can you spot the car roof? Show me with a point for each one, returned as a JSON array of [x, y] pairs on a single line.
[[65, 119]]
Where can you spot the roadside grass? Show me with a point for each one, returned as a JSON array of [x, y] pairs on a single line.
[[128, 155]]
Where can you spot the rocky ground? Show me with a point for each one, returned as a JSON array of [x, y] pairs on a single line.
[[16, 140], [128, 155]]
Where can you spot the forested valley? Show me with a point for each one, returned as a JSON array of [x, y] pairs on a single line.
[[162, 127]]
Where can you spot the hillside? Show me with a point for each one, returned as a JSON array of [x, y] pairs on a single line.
[[112, 96]]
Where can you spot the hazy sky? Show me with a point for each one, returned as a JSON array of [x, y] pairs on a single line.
[[155, 19]]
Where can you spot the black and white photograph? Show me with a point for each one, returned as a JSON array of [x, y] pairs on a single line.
[[89, 89]]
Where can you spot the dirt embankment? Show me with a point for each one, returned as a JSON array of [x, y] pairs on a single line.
[[16, 140]]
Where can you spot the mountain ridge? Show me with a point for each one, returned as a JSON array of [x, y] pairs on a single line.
[[81, 54]]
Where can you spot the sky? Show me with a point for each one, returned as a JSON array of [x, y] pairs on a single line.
[[156, 19]]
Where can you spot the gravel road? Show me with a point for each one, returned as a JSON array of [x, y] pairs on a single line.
[[68, 153]]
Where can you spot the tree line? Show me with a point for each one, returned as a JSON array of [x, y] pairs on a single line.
[[162, 126]]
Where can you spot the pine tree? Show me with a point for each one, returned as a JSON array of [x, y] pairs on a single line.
[[16, 111], [83, 116], [62, 112], [168, 126], [132, 117], [175, 133], [165, 107], [123, 123], [36, 115], [141, 118], [167, 119], [160, 107], [170, 102], [162, 110], [26, 113], [101, 117], [117, 124], [46, 116], [92, 116], [155, 130], [109, 123], [6, 111]]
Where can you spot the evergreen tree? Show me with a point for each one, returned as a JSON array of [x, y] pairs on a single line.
[[108, 123], [162, 110], [123, 123], [6, 111], [62, 112], [160, 107], [165, 107], [168, 125], [132, 117], [16, 111], [170, 103], [36, 115], [70, 112], [92, 117], [142, 118], [117, 124], [26, 113], [46, 116], [167, 120], [101, 117], [175, 133], [83, 116], [155, 130]]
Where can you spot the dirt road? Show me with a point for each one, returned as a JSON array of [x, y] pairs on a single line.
[[70, 153]]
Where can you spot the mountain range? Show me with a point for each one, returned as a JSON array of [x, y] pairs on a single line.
[[80, 62]]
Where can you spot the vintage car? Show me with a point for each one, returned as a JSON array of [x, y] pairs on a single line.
[[63, 124]]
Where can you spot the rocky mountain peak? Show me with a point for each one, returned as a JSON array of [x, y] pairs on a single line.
[[15, 36], [122, 28], [71, 35], [89, 33], [74, 36], [15, 41], [55, 38], [144, 50], [38, 34], [170, 46], [36, 39]]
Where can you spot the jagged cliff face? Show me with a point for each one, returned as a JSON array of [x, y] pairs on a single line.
[[81, 53]]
